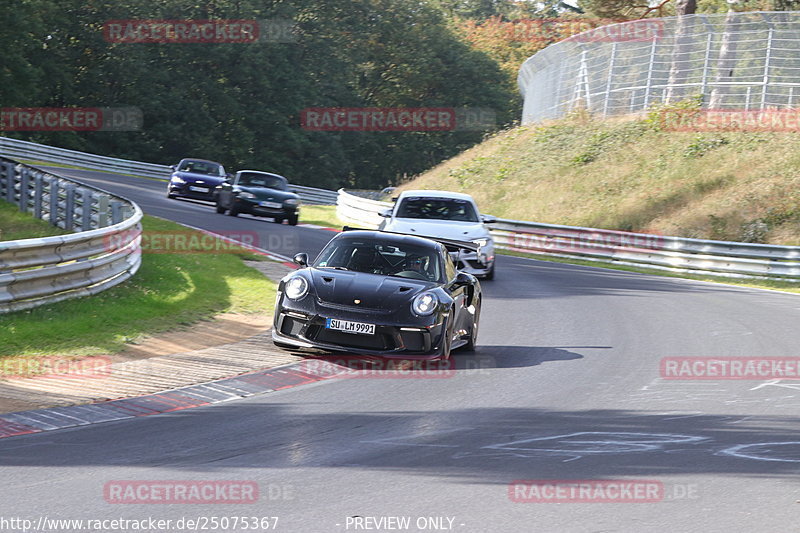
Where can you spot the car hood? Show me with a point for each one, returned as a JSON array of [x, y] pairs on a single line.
[[445, 229], [265, 193], [193, 177], [374, 291]]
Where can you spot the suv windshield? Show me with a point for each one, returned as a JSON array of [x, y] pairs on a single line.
[[202, 167], [261, 180], [378, 257], [437, 208]]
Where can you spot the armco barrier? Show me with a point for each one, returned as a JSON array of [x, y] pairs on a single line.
[[677, 254], [39, 152], [105, 251]]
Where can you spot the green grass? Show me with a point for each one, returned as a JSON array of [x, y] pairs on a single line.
[[629, 174], [321, 215], [169, 290], [15, 225]]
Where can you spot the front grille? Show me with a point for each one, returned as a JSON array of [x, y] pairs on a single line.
[[354, 308], [379, 341]]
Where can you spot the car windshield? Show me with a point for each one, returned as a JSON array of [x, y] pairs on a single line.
[[202, 167], [261, 180], [437, 208], [374, 256]]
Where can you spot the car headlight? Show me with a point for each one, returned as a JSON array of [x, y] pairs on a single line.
[[177, 179], [296, 288], [481, 242], [292, 201], [424, 303], [246, 195]]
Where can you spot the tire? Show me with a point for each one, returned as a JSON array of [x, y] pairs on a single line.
[[233, 211], [293, 219], [448, 339], [221, 210], [170, 195], [489, 276], [278, 220], [473, 334]]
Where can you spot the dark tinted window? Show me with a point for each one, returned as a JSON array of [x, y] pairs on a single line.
[[374, 256], [437, 208], [202, 167], [261, 180]]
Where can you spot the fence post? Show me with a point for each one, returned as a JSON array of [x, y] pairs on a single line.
[[610, 77], [102, 210], [650, 74], [706, 62], [767, 57]]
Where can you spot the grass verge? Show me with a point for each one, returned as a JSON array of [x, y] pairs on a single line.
[[169, 290], [15, 225], [321, 215]]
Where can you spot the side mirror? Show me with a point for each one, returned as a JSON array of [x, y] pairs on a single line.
[[462, 280], [173, 167], [301, 259], [228, 176], [385, 213], [488, 219]]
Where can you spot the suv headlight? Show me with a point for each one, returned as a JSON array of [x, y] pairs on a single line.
[[296, 288], [424, 303], [177, 179], [247, 195], [292, 201]]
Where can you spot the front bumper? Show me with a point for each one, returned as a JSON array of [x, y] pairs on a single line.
[[400, 341], [182, 189], [471, 263], [252, 207]]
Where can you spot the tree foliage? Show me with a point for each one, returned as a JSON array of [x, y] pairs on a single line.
[[240, 104]]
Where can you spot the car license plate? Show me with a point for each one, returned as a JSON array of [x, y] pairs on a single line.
[[271, 205], [197, 189], [350, 327]]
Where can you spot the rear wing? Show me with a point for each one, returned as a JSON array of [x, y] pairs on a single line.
[[452, 245]]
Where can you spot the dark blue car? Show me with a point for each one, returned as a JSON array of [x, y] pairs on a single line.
[[195, 178]]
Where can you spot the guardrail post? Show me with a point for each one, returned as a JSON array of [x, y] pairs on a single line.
[[38, 193], [10, 182], [102, 210], [54, 201], [69, 208], [24, 176], [116, 212], [86, 213]]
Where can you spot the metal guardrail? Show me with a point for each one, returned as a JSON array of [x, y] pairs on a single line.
[[676, 254], [40, 152], [105, 251]]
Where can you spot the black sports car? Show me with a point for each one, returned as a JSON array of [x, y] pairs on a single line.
[[260, 194], [379, 293]]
